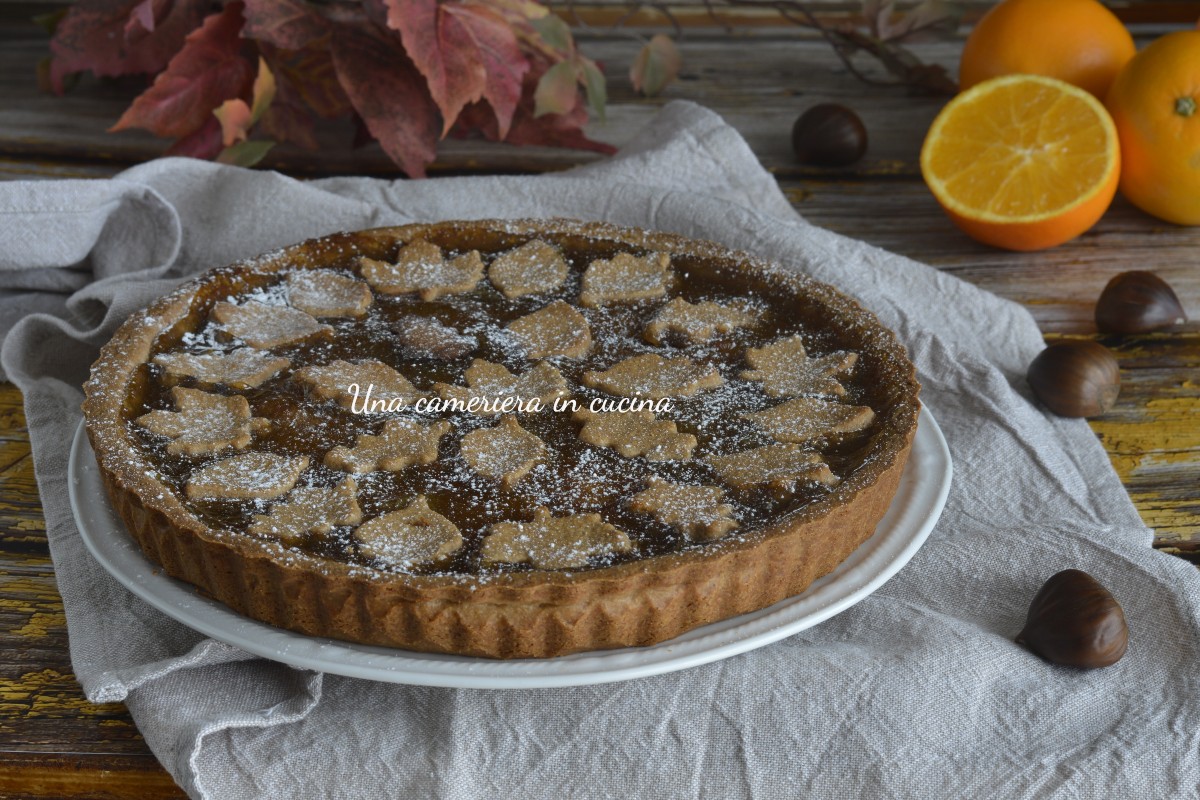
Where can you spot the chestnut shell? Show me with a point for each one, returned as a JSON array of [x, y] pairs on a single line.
[[1138, 302], [1076, 378], [829, 135], [1074, 621]]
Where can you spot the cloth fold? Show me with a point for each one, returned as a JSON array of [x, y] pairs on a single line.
[[917, 691]]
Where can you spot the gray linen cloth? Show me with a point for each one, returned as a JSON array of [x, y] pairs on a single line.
[[918, 691]]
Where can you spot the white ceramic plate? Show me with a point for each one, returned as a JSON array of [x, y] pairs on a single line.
[[924, 486]]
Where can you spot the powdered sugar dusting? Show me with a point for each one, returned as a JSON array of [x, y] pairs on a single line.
[[573, 477]]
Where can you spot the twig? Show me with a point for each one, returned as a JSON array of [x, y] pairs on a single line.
[[908, 70]]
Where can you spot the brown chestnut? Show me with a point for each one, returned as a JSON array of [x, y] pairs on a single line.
[[1138, 302], [1076, 378], [1076, 622], [829, 135]]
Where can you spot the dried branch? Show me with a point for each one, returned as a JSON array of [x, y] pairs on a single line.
[[886, 48]]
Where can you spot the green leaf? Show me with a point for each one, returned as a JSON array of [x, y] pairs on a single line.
[[594, 85], [49, 21], [554, 32], [245, 154], [656, 66], [557, 91]]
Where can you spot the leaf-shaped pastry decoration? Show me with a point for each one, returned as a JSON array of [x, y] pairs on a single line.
[[421, 268], [555, 330], [248, 476], [204, 423], [425, 337], [651, 376], [310, 510], [636, 433], [533, 268], [699, 322], [402, 443], [549, 542], [416, 534], [263, 326], [808, 419], [625, 278], [489, 384], [698, 512], [339, 379], [506, 452], [244, 368], [781, 468], [325, 293], [785, 369]]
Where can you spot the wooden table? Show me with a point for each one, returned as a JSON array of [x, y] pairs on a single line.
[[53, 743]]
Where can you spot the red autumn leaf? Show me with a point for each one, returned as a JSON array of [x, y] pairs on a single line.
[[555, 130], [465, 51], [97, 35], [375, 11], [204, 142], [288, 121], [504, 65], [438, 48], [389, 94], [306, 85], [207, 71], [552, 130], [288, 24], [308, 78], [143, 15]]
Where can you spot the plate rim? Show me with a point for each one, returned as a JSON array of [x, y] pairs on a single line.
[[110, 544]]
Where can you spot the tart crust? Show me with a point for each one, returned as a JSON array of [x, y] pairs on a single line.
[[523, 614]]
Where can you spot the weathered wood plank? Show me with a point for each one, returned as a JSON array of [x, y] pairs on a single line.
[[42, 708], [100, 776], [1059, 286], [761, 97], [21, 169]]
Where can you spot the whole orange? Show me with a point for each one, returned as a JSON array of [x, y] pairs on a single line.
[[1077, 41], [1155, 103]]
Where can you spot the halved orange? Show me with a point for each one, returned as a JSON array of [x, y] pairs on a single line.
[[1023, 162]]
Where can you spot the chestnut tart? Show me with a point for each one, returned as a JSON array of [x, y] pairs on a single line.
[[501, 438]]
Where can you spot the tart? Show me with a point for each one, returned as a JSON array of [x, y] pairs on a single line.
[[509, 439]]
